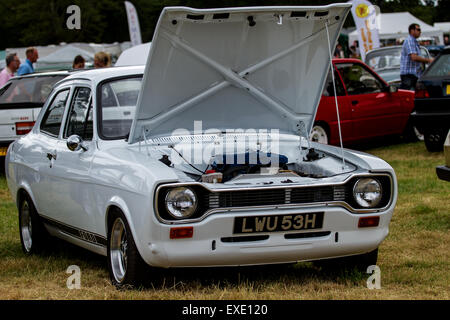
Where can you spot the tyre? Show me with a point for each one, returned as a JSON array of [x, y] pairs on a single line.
[[319, 134], [360, 262], [125, 264], [434, 139], [33, 235], [411, 133]]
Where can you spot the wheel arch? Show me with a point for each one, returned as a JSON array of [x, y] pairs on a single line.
[[118, 205], [22, 191]]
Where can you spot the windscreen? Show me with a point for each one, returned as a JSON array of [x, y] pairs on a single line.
[[441, 67], [29, 89], [117, 104]]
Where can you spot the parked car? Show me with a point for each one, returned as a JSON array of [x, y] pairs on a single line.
[[386, 62], [435, 50], [368, 106], [443, 172], [123, 168], [432, 102], [21, 99]]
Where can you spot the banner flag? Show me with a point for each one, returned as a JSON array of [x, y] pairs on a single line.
[[365, 16], [133, 24]]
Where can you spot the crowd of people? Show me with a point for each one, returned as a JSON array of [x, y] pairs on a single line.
[[15, 67], [353, 51]]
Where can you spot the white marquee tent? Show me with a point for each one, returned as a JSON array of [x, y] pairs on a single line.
[[395, 26], [63, 57]]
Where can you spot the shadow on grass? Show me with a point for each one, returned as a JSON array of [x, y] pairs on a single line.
[[255, 277], [208, 278]]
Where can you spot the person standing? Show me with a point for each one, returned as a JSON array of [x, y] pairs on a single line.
[[339, 51], [102, 60], [27, 67], [12, 64], [410, 60], [78, 62]]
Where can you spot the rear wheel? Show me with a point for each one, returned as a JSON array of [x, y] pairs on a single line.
[[319, 134], [33, 235], [126, 267], [434, 139]]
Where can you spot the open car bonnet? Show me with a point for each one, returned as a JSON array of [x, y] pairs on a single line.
[[236, 68]]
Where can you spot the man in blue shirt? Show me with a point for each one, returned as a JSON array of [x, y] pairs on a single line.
[[27, 67], [410, 61]]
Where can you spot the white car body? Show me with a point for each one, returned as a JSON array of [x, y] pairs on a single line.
[[270, 80]]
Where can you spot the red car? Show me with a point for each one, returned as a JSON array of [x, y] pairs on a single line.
[[368, 106]]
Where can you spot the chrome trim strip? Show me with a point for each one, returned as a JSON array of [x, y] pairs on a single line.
[[341, 204]]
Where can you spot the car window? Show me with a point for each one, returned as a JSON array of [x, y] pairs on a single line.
[[328, 90], [29, 90], [117, 104], [358, 80], [424, 52], [387, 58], [441, 67], [51, 122], [79, 119]]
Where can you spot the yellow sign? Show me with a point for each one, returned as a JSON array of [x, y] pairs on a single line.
[[362, 10], [3, 151], [448, 89]]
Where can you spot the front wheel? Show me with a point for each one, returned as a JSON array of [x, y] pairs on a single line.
[[319, 134], [33, 235], [126, 267]]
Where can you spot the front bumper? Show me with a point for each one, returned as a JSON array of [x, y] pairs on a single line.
[[339, 236]]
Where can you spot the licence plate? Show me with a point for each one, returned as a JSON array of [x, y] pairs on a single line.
[[278, 223], [448, 89], [3, 151]]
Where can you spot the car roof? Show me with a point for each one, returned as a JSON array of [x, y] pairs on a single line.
[[347, 60], [389, 48], [42, 74], [100, 74]]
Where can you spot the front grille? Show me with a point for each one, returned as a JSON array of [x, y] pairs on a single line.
[[244, 239], [212, 200], [230, 199]]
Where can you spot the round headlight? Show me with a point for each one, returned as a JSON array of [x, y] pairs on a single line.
[[367, 192], [181, 202]]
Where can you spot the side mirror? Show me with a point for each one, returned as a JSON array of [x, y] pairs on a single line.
[[393, 89], [75, 143]]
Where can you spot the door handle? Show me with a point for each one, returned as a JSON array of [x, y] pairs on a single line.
[[355, 102], [51, 156]]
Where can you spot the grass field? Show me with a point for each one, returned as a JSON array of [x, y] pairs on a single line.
[[414, 259]]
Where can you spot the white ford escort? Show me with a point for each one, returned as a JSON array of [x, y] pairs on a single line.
[[202, 158]]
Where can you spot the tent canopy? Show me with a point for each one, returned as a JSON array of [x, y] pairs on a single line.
[[444, 26], [65, 55], [395, 26]]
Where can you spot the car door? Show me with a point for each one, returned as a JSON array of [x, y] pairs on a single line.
[[71, 168], [326, 112], [42, 153], [375, 111]]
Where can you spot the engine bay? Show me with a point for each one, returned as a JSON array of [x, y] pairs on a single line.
[[243, 168]]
